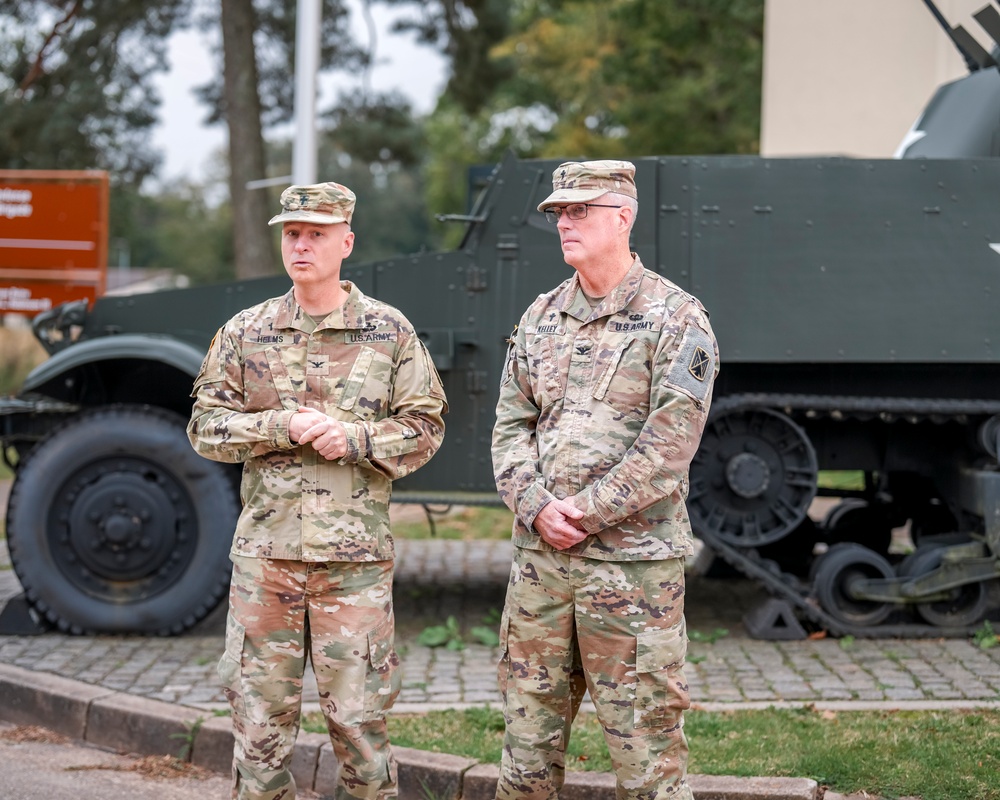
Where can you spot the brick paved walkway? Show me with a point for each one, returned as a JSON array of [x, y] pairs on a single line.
[[438, 578]]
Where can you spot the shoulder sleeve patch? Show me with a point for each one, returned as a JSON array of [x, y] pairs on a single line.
[[693, 367]]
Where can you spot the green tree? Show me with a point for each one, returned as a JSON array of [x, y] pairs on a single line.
[[638, 77], [256, 92], [76, 83], [390, 218], [178, 229], [460, 132], [375, 134], [272, 24], [465, 31], [457, 141], [76, 93], [378, 129], [242, 108], [691, 82], [606, 79]]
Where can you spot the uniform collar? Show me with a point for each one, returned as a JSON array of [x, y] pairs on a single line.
[[615, 300], [349, 316]]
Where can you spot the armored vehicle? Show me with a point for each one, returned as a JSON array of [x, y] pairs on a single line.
[[853, 303]]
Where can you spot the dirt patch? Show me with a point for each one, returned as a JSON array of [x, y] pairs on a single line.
[[32, 733], [155, 767]]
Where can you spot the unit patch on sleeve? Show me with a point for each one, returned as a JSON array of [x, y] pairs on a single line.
[[694, 364], [699, 365]]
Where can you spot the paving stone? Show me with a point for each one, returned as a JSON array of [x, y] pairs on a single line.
[[433, 577]]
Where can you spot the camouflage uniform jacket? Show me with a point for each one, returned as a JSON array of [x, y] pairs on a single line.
[[605, 408], [363, 365]]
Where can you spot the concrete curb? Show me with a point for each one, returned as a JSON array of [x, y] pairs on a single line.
[[129, 724]]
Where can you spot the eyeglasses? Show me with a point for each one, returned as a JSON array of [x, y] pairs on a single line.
[[574, 211]]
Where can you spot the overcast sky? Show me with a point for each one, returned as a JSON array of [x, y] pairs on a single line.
[[187, 143]]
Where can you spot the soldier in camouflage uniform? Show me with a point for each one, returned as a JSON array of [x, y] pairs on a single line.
[[603, 400], [326, 396]]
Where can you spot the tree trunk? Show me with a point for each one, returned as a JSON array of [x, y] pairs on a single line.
[[253, 244]]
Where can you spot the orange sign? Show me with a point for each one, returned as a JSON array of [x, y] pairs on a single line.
[[53, 238]]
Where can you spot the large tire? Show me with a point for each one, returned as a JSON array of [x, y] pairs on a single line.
[[116, 525]]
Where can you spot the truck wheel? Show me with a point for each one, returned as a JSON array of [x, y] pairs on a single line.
[[836, 572], [116, 525]]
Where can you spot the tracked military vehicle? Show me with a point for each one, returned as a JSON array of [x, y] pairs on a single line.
[[855, 307]]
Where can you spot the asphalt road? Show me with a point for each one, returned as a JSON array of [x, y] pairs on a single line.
[[36, 766]]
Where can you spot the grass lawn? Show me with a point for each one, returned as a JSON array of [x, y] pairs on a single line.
[[934, 755]]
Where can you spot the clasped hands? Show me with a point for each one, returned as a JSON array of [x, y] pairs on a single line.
[[557, 524], [326, 434]]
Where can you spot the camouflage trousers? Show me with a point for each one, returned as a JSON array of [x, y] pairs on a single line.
[[338, 614], [615, 629]]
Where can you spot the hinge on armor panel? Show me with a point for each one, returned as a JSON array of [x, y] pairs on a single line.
[[475, 381], [475, 279], [508, 247], [773, 620], [508, 250]]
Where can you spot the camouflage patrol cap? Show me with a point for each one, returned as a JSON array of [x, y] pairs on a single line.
[[317, 203], [582, 181]]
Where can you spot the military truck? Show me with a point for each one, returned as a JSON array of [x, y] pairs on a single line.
[[853, 303]]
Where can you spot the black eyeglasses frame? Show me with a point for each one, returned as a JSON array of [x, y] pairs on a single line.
[[553, 214]]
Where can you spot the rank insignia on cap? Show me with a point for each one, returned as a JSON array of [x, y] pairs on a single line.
[[583, 181], [699, 364]]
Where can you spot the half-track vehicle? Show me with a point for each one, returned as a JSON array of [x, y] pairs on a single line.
[[854, 302]]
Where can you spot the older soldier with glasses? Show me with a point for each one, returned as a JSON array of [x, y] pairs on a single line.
[[326, 396], [603, 400]]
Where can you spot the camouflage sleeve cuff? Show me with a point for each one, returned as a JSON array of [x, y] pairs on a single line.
[[358, 443], [534, 499], [278, 432], [619, 494], [592, 521]]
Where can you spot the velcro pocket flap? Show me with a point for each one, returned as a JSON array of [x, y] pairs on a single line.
[[656, 650]]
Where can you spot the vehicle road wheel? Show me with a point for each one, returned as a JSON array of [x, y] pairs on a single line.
[[837, 570], [964, 606], [753, 477], [116, 525]]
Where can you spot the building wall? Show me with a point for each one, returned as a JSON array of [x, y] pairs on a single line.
[[849, 77]]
